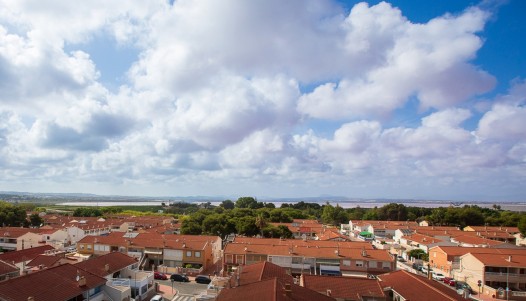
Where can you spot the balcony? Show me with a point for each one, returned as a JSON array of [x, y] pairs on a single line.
[[505, 277]]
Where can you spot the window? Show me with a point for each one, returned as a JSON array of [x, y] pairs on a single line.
[[81, 247], [347, 263], [197, 254], [188, 253], [229, 258], [89, 247], [239, 259], [359, 263]]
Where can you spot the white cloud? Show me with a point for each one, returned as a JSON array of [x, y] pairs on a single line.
[[234, 92]]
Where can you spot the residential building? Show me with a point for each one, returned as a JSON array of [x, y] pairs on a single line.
[[266, 281], [312, 257], [61, 283], [22, 257]]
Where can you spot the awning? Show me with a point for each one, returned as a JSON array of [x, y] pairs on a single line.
[[365, 233], [333, 273], [153, 252]]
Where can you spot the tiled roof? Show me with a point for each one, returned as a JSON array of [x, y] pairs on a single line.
[[422, 239], [313, 252], [344, 287], [25, 255], [106, 264], [331, 234], [14, 232], [415, 287], [7, 268], [475, 240], [458, 251], [498, 260], [44, 260], [270, 290], [53, 284], [262, 271], [299, 242], [486, 228]]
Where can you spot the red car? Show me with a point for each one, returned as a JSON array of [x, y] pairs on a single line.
[[160, 276], [449, 281]]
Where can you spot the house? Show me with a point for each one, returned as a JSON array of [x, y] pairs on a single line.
[[422, 242], [45, 261], [22, 257], [60, 283], [495, 272], [8, 270], [447, 258], [266, 281], [169, 251], [478, 242], [310, 257], [403, 285], [118, 268], [345, 288], [9, 237]]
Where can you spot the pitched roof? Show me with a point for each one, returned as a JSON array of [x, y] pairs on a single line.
[[271, 290], [53, 284], [413, 287], [475, 240], [44, 260], [353, 288], [495, 260], [312, 252], [299, 242], [262, 271], [25, 255], [459, 251], [7, 268], [106, 264]]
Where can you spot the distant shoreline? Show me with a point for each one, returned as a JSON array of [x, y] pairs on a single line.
[[519, 207]]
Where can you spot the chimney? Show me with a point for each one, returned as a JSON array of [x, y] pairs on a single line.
[[329, 292], [107, 267], [364, 253], [288, 291], [509, 258], [30, 298], [82, 281]]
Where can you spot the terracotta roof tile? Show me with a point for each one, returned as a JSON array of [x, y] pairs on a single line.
[[270, 290], [414, 287], [106, 264], [344, 287], [53, 284], [25, 255]]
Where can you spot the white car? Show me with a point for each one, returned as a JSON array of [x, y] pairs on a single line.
[[438, 276], [157, 298]]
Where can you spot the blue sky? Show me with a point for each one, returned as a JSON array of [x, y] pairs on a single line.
[[401, 99]]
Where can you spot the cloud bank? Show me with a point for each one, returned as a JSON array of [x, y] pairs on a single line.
[[227, 97]]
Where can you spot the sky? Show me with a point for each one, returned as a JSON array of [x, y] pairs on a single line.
[[264, 98]]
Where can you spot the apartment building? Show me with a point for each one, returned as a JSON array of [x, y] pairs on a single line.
[[314, 257]]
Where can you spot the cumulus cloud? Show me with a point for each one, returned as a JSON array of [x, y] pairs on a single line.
[[220, 95]]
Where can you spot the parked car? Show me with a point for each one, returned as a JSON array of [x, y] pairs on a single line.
[[160, 276], [179, 278], [400, 258], [203, 279], [417, 266], [157, 298], [425, 270], [449, 281], [461, 285], [437, 276]]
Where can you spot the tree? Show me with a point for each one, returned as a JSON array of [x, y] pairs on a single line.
[[419, 254], [393, 212], [227, 204], [248, 202], [35, 220], [522, 225]]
